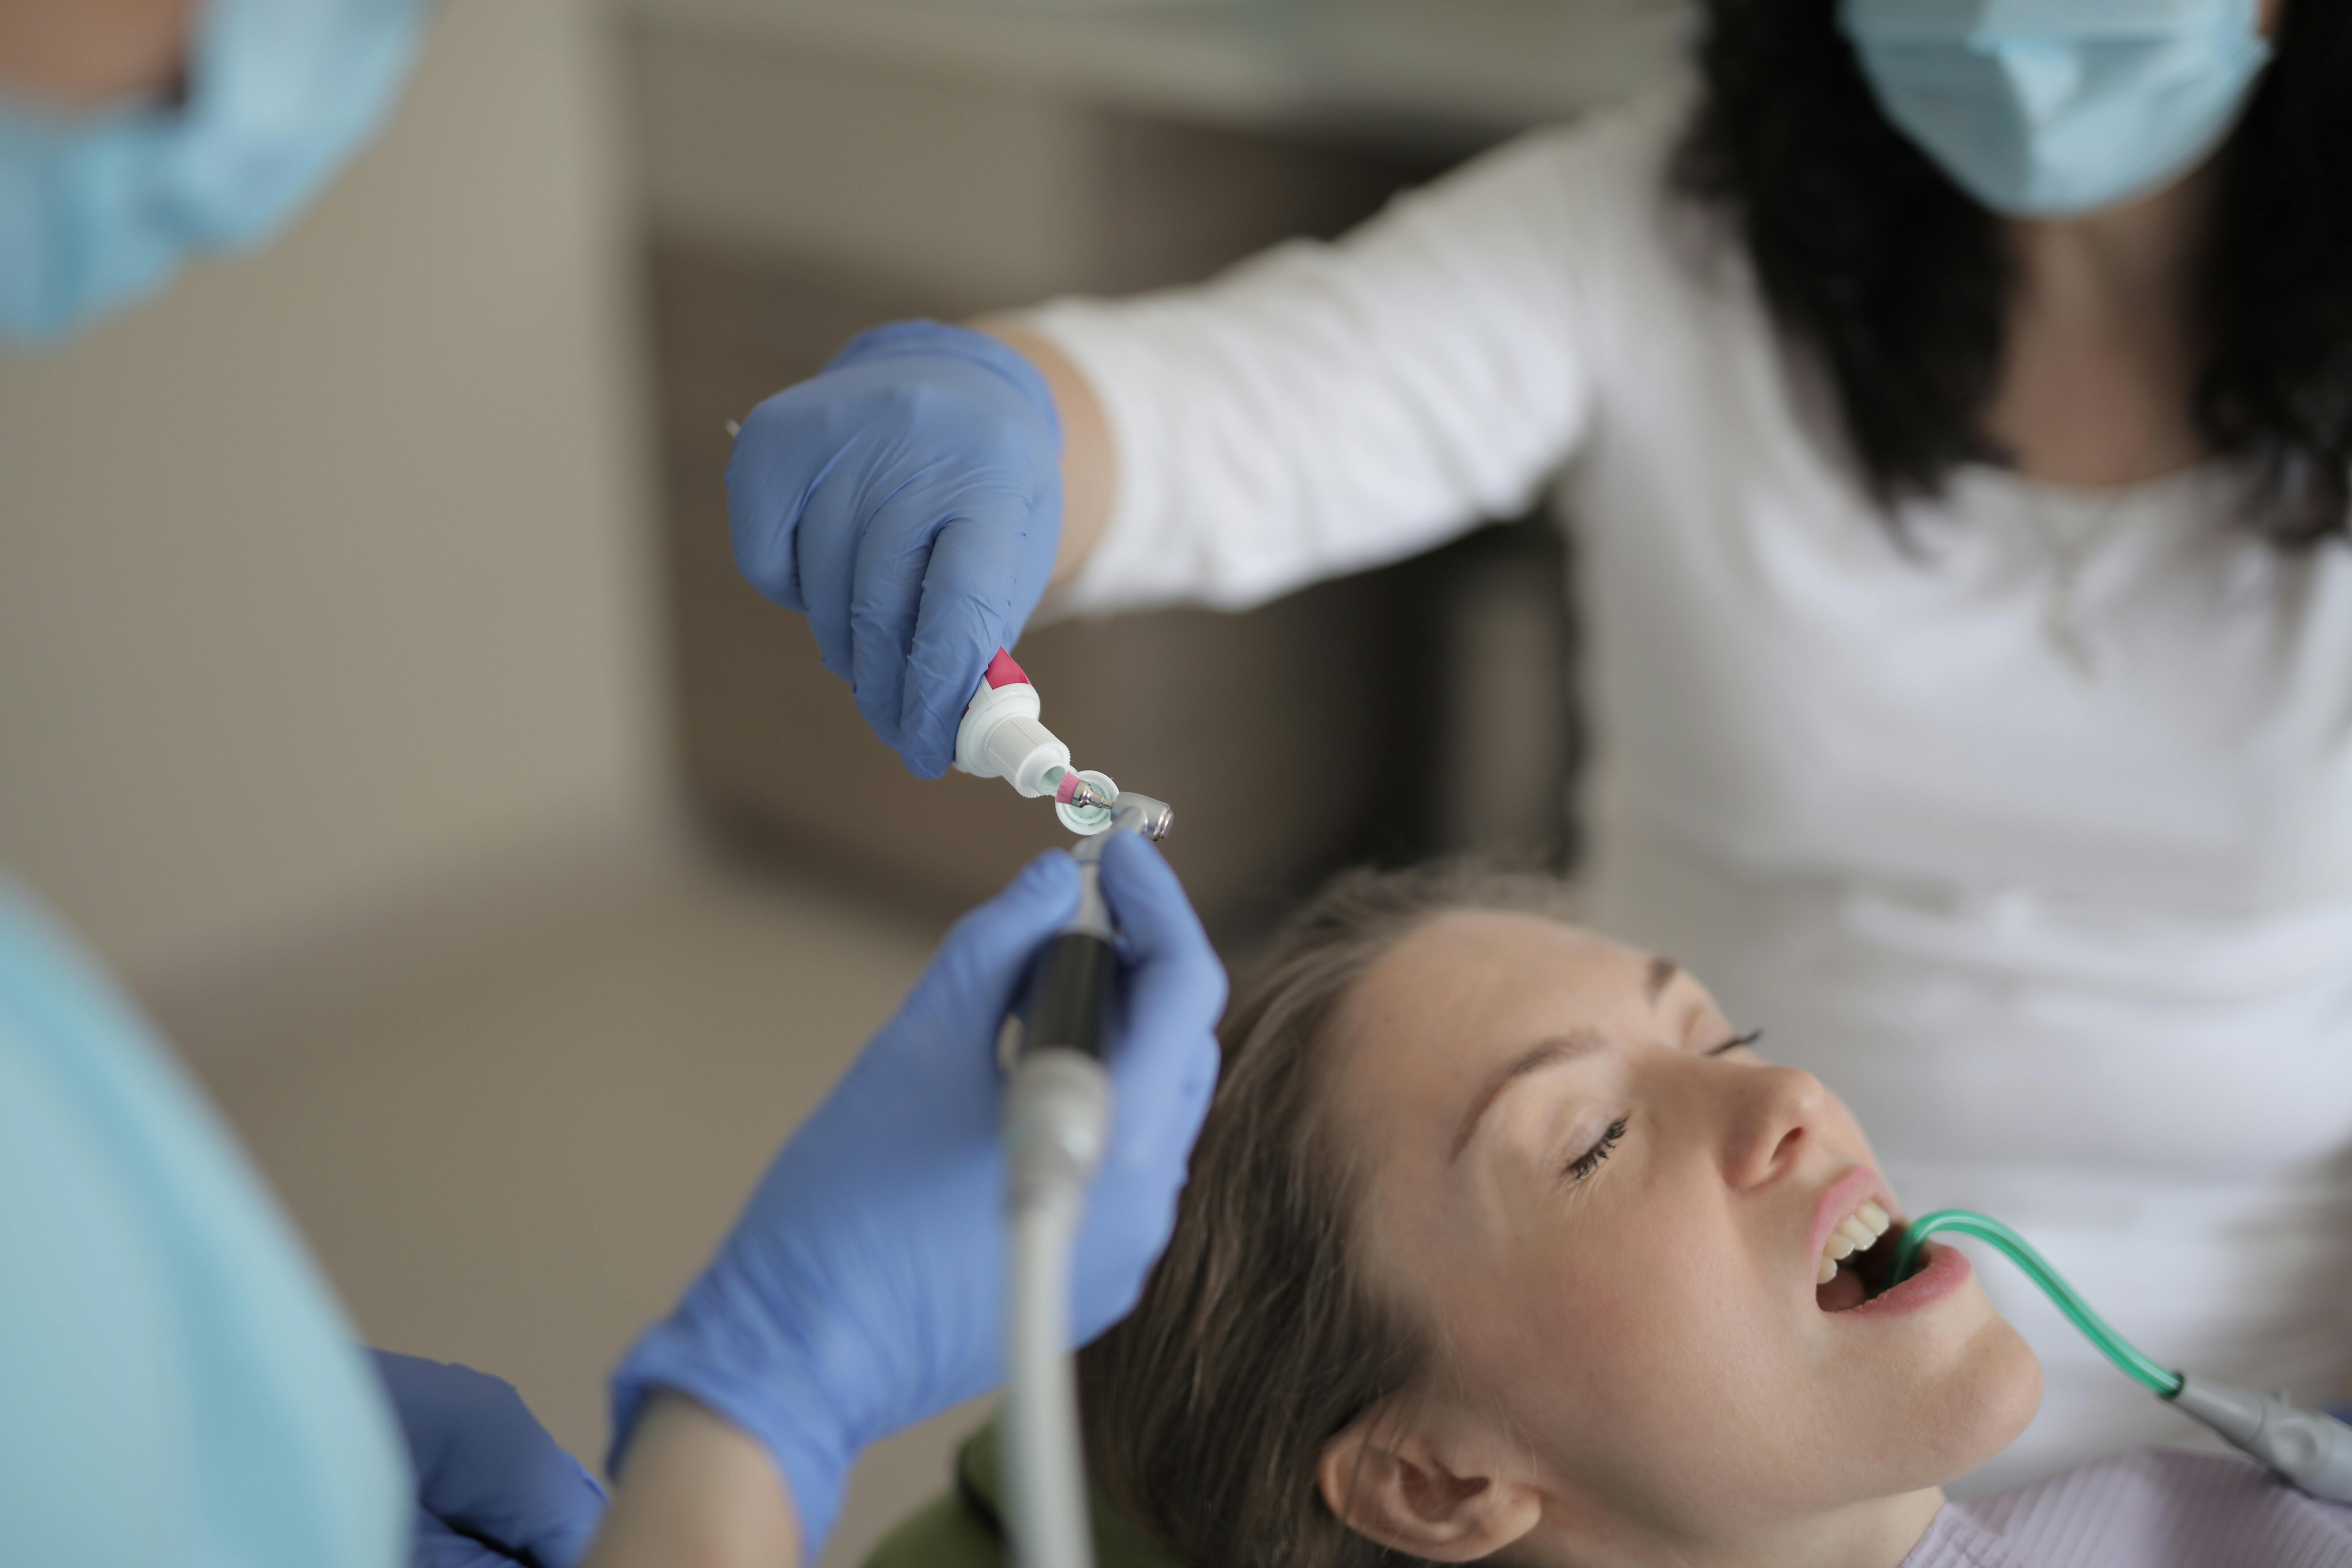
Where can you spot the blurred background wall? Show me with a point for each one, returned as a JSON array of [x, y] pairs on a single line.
[[376, 693], [324, 615]]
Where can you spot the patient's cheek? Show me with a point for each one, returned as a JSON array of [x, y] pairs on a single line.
[[1850, 1126], [1603, 1327]]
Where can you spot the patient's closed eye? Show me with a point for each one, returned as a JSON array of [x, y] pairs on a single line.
[[1584, 1164], [1736, 1043]]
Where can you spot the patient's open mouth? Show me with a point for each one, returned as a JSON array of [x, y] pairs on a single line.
[[1857, 1259]]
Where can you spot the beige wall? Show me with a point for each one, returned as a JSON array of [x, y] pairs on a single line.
[[987, 191], [323, 579]]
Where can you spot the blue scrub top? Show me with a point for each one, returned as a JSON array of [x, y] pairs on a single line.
[[178, 1386]]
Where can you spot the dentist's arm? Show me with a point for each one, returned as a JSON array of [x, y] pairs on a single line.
[[697, 1492], [1317, 411], [863, 1288], [1089, 454]]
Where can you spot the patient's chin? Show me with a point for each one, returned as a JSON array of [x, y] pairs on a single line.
[[1997, 1396], [2021, 1397], [1939, 1413]]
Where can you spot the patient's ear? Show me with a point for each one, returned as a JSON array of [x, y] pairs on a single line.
[[1440, 1486]]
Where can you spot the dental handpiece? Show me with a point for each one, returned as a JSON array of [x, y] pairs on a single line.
[[1070, 1007], [1056, 1124], [2308, 1449]]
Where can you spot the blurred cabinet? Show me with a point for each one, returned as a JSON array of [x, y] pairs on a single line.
[[797, 197]]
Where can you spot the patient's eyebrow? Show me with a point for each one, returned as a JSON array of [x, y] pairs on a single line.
[[1662, 971], [1558, 1049]]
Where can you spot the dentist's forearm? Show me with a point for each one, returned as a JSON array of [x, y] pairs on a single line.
[[1089, 460], [697, 1491]]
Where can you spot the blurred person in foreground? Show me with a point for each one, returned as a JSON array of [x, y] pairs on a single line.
[[178, 1386]]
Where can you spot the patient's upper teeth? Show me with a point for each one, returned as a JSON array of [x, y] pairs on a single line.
[[1858, 1232]]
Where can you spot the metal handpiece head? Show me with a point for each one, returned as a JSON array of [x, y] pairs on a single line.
[[1141, 814]]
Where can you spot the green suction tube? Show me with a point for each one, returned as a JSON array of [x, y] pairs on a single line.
[[2111, 1345]]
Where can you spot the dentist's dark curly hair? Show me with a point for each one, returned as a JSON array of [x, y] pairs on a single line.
[[1870, 256]]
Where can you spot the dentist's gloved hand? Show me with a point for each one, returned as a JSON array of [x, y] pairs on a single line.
[[492, 1488], [909, 501], [863, 1288]]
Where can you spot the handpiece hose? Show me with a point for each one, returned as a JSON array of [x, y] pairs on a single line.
[[1056, 1120]]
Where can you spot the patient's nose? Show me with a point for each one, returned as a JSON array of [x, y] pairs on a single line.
[[1773, 1113]]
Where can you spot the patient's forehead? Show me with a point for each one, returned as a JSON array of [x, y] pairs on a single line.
[[1470, 990]]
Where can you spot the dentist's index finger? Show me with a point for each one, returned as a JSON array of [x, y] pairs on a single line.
[[980, 966], [764, 489], [1156, 913], [1177, 990], [1006, 931], [888, 568]]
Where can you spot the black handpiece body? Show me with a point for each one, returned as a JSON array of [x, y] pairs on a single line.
[[1070, 1007]]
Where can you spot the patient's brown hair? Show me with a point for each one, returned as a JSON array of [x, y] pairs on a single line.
[[1255, 1342]]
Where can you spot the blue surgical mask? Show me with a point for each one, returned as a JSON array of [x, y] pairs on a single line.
[[99, 209], [2046, 108]]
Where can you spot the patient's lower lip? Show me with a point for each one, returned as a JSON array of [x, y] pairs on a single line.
[[1945, 1271]]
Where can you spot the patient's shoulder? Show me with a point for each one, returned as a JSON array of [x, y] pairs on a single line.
[[2159, 1508]]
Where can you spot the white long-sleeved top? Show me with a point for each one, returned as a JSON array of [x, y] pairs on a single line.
[[2032, 835]]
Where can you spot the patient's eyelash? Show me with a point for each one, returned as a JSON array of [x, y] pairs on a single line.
[[1584, 1164], [1732, 1044]]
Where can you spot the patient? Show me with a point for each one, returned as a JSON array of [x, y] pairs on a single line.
[[1502, 1240]]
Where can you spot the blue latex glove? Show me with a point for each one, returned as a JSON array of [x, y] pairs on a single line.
[[863, 1288], [492, 1488], [909, 501]]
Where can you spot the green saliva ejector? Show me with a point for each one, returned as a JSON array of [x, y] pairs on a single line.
[[2310, 1451]]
